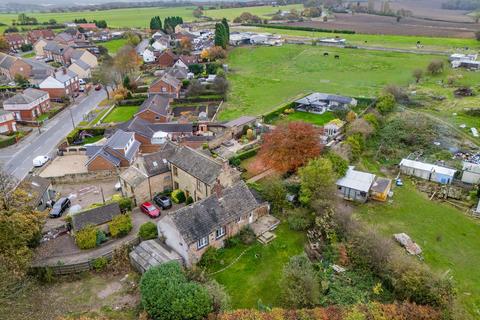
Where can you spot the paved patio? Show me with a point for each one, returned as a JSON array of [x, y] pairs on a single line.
[[62, 165]]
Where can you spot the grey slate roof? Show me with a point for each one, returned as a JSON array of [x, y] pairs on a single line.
[[64, 76], [147, 129], [6, 60], [201, 166], [156, 163], [151, 253], [178, 73], [119, 139], [82, 64], [243, 120], [133, 176], [35, 186], [156, 103], [142, 46], [27, 96], [55, 47], [95, 216], [317, 97], [205, 216], [77, 54], [109, 151], [169, 80]]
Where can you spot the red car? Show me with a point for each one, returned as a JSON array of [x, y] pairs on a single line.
[[98, 87], [150, 210]]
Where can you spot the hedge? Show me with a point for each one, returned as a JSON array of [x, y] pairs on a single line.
[[131, 102], [8, 141], [297, 28], [73, 135], [235, 160], [148, 230], [204, 98], [272, 115], [120, 225], [86, 238]]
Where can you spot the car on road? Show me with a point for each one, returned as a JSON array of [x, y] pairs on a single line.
[[40, 161], [60, 207], [163, 202], [150, 210], [98, 87]]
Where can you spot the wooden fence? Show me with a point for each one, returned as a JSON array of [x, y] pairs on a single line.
[[61, 268]]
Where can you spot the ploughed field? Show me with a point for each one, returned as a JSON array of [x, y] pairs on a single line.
[[375, 24]]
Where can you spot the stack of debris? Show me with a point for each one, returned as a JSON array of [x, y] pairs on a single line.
[[407, 243]]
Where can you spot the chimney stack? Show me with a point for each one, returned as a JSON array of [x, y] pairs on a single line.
[[218, 189]]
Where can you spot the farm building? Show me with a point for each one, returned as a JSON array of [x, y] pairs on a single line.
[[322, 102], [355, 185], [430, 172], [471, 173]]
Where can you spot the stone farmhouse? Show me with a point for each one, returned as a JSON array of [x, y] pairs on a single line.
[[191, 230]]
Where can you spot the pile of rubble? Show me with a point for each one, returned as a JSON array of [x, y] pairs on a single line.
[[406, 242]]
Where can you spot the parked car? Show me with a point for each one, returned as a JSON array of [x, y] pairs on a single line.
[[163, 202], [40, 161], [150, 210], [60, 207], [98, 87]]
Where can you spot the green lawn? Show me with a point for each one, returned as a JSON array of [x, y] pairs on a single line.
[[121, 114], [383, 40], [255, 276], [449, 239], [140, 17], [264, 78], [316, 119], [29, 55], [113, 45]]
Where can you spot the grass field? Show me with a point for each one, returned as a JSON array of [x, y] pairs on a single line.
[[113, 45], [316, 119], [448, 238], [387, 41], [140, 17], [263, 78], [121, 114], [255, 276]]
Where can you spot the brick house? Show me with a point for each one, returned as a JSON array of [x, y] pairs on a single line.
[[7, 122], [197, 173], [15, 40], [11, 66], [191, 230], [38, 47], [62, 84], [28, 105], [54, 51], [153, 135], [166, 59], [65, 38], [166, 85], [188, 59], [155, 109], [35, 35], [84, 56], [120, 150]]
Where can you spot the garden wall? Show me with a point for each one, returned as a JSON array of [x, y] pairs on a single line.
[[83, 177]]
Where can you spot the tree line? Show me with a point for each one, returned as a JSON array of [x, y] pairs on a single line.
[[169, 23]]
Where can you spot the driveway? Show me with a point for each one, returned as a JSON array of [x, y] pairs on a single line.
[[17, 159]]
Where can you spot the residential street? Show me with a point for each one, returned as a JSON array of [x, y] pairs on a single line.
[[17, 159]]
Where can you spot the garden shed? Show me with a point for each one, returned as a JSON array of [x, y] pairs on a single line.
[[95, 216], [355, 185]]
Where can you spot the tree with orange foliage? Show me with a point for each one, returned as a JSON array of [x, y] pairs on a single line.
[[126, 61], [213, 53], [186, 45], [290, 146], [4, 46]]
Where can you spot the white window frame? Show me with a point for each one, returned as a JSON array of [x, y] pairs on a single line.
[[202, 242], [220, 232]]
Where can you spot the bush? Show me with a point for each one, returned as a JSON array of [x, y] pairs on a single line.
[[120, 225], [148, 230], [247, 236], [178, 196], [86, 238], [99, 264], [189, 200], [167, 294], [124, 203], [7, 142], [300, 219], [385, 103], [237, 159], [209, 258], [101, 237]]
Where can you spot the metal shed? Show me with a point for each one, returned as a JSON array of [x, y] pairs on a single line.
[[152, 253]]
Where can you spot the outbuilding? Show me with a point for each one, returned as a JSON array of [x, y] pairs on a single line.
[[355, 185], [427, 171]]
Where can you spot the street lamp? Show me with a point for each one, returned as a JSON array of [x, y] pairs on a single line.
[[71, 117]]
